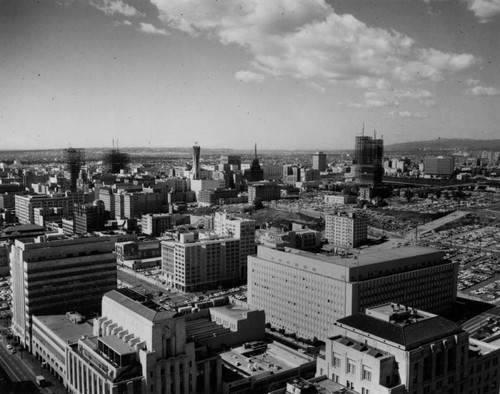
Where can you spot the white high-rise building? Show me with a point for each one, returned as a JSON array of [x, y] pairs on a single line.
[[347, 230]]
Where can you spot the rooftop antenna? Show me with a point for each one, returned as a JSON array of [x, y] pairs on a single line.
[[256, 150], [374, 134], [363, 131], [113, 143], [117, 144]]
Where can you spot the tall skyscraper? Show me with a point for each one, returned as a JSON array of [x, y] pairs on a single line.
[[319, 161], [368, 166], [195, 172]]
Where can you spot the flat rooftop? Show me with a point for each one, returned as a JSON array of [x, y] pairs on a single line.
[[276, 358], [117, 345], [64, 329], [363, 258], [235, 312]]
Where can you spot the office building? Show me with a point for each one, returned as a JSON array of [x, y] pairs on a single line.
[[138, 254], [304, 293], [137, 204], [138, 346], [263, 191], [393, 348], [319, 161], [106, 195], [25, 205], [56, 275], [226, 225], [155, 224], [89, 217], [367, 168], [194, 263], [291, 174], [219, 197], [303, 239], [346, 229], [439, 166]]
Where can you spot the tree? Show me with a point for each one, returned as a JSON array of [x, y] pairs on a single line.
[[257, 204]]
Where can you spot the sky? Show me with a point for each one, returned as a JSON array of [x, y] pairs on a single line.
[[285, 74]]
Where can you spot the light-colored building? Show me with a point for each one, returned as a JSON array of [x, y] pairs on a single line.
[[226, 225], [393, 348], [56, 275], [346, 229], [340, 199], [139, 347], [304, 293], [193, 264], [303, 239], [25, 205]]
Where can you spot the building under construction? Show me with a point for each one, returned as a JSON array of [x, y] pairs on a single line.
[[74, 159], [368, 166], [114, 161]]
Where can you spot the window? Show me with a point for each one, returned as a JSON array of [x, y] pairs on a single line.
[[365, 391], [336, 360], [367, 374], [351, 367]]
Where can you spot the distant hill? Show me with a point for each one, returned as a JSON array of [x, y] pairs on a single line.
[[445, 144]]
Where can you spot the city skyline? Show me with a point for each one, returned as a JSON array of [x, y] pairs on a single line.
[[287, 74]]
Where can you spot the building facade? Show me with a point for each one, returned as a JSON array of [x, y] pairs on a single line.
[[346, 229], [319, 161], [52, 276], [304, 293], [393, 348]]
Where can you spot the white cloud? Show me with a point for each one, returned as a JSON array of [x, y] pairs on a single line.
[[122, 23], [113, 7], [388, 98], [306, 39], [482, 91], [484, 10], [249, 76], [150, 29], [408, 114]]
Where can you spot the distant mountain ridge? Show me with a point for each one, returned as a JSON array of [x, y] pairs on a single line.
[[443, 143]]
